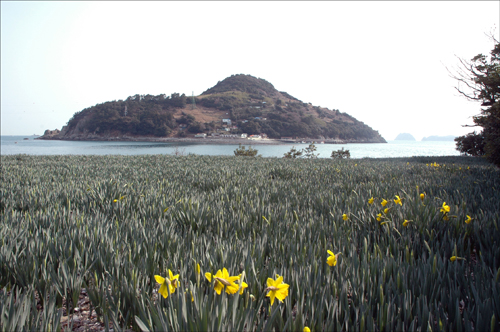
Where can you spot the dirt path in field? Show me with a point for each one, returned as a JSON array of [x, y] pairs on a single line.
[[82, 320]]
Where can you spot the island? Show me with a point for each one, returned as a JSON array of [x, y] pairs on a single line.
[[439, 138], [405, 137], [241, 107]]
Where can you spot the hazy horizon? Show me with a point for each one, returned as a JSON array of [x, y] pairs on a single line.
[[384, 63]]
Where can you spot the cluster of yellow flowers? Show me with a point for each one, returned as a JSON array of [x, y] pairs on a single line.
[[386, 210], [222, 280], [276, 289], [445, 209], [436, 165]]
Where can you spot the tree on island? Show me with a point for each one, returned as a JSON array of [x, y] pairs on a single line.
[[481, 79]]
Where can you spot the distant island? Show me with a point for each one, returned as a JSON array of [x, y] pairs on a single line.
[[405, 137], [439, 138], [239, 107]]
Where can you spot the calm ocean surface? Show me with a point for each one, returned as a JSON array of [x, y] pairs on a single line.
[[17, 145]]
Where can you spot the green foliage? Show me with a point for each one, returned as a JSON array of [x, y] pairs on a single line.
[[471, 144], [196, 127], [341, 154], [61, 230], [251, 127], [293, 153], [243, 83], [242, 152], [482, 77], [19, 311], [138, 115], [308, 152], [186, 119]]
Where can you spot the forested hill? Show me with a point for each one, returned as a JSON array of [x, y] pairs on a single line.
[[238, 104]]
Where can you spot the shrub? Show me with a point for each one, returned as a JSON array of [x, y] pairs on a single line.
[[341, 154], [293, 153], [306, 153], [471, 144], [309, 152], [241, 151]]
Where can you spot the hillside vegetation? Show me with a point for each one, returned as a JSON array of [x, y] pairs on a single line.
[[239, 104]]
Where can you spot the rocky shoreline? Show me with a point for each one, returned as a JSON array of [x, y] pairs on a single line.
[[63, 135], [207, 140]]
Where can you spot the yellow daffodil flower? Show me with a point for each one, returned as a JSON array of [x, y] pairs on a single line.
[[422, 196], [370, 201], [384, 202], [398, 200], [277, 289], [222, 279], [115, 200], [379, 217], [468, 220], [406, 222], [170, 282], [386, 210], [306, 329], [344, 216], [445, 209], [454, 258], [243, 285], [332, 259]]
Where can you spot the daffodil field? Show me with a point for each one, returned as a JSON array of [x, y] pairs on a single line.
[[207, 243]]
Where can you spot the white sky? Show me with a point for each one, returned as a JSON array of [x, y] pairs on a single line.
[[382, 62]]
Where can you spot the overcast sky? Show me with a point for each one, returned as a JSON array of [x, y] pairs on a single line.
[[382, 62]]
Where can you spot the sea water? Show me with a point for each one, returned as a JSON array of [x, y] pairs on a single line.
[[28, 145]]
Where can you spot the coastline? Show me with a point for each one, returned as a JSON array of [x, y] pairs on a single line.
[[207, 140]]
